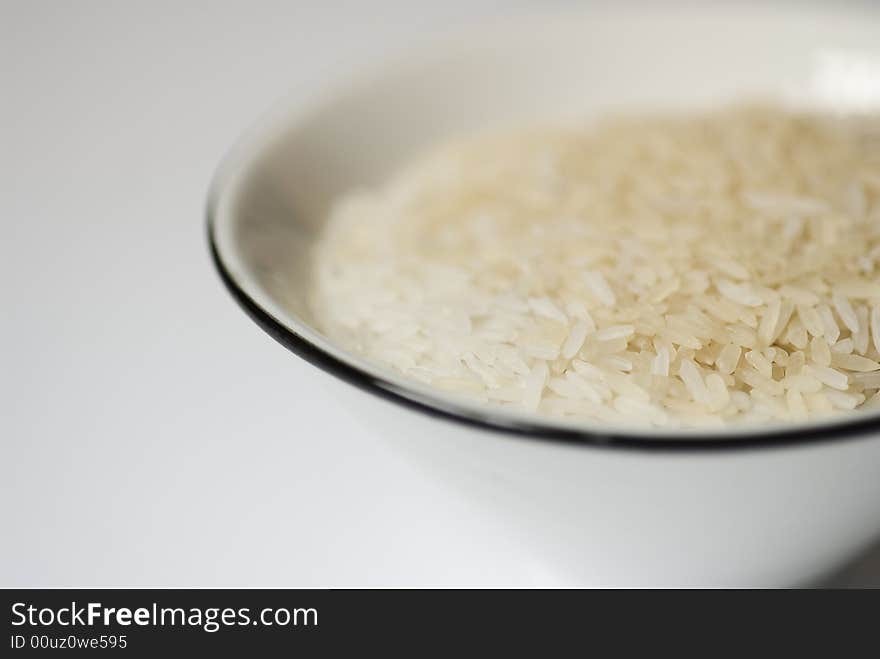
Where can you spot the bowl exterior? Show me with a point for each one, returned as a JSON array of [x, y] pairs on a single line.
[[753, 517]]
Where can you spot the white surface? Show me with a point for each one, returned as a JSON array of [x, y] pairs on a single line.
[[151, 434]]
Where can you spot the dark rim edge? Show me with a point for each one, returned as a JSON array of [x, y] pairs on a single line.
[[697, 443]]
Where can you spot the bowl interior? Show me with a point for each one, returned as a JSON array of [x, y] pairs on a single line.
[[272, 193]]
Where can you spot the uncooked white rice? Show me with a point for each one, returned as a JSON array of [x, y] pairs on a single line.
[[670, 271]]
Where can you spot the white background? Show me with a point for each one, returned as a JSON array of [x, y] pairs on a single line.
[[150, 434]]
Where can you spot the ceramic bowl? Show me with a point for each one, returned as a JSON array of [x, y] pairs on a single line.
[[766, 506]]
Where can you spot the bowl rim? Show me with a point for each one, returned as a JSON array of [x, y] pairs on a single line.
[[240, 160]]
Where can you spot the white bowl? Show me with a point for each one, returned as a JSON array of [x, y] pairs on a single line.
[[603, 506]]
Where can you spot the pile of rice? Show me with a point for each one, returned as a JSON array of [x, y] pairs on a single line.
[[671, 271]]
